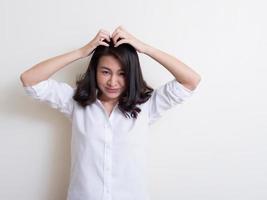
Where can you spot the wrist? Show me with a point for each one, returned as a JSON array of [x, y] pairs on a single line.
[[147, 49], [80, 53], [86, 50]]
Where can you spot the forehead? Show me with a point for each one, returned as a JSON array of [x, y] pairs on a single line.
[[109, 62]]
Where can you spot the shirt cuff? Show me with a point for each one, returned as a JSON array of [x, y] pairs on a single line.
[[181, 89], [38, 89]]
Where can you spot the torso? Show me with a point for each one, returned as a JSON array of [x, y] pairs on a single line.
[[108, 108], [107, 105]]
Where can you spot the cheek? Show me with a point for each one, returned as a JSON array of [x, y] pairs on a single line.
[[122, 82], [100, 79]]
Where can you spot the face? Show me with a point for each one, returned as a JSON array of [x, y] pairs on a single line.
[[110, 78]]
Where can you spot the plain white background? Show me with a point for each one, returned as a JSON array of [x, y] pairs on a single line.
[[213, 146]]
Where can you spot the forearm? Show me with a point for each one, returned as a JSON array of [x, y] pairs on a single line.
[[182, 73], [47, 68]]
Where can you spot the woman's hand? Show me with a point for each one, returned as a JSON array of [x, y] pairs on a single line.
[[98, 40], [125, 37]]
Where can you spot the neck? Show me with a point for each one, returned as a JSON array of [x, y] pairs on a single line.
[[108, 101]]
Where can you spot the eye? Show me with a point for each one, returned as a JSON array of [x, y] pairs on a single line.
[[105, 72], [121, 73]]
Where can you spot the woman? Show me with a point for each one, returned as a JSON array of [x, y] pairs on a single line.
[[111, 110]]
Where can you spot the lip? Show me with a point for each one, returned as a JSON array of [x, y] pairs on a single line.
[[112, 90]]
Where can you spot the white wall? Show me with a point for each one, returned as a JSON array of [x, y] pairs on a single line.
[[212, 147]]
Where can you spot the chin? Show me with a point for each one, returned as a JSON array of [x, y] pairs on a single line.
[[113, 95]]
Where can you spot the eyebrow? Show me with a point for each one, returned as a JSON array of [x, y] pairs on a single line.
[[104, 67]]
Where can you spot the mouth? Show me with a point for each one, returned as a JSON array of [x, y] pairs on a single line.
[[112, 90]]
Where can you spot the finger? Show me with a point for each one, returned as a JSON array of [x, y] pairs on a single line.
[[121, 42], [116, 31], [105, 34], [113, 34], [119, 35], [104, 44], [120, 28], [104, 31], [116, 37], [103, 37]]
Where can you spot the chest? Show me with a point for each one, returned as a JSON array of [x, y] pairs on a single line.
[[95, 121]]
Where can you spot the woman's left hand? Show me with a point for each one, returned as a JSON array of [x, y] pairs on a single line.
[[125, 37]]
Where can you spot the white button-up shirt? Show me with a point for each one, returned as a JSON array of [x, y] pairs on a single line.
[[108, 153]]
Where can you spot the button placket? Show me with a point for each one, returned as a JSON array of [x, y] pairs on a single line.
[[107, 161]]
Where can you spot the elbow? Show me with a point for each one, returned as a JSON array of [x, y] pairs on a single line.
[[192, 85], [198, 79], [28, 79], [22, 78], [196, 82]]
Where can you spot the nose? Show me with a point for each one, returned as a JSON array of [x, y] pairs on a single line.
[[112, 81]]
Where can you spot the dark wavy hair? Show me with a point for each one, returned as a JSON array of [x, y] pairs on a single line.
[[136, 89]]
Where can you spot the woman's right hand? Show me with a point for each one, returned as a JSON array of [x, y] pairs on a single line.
[[98, 40]]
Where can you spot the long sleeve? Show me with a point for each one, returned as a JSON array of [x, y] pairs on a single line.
[[56, 94], [166, 97]]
